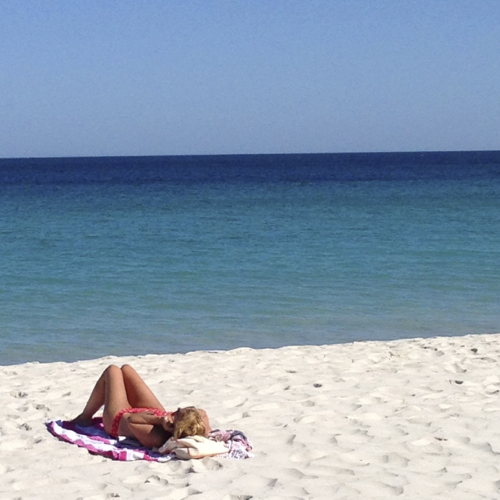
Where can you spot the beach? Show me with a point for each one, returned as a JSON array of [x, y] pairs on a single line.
[[410, 418]]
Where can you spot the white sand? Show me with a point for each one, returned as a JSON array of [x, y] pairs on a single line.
[[413, 418]]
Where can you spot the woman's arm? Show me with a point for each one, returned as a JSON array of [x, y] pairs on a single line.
[[148, 429], [204, 417]]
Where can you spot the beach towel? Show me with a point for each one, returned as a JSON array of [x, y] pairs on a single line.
[[239, 445], [98, 442]]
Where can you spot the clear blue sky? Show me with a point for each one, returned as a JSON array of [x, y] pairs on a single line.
[[123, 77]]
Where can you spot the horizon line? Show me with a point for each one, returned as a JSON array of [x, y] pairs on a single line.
[[250, 154]]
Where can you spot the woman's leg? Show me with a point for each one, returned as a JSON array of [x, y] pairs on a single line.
[[109, 391], [139, 394]]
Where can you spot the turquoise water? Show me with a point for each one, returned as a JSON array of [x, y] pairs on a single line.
[[119, 256]]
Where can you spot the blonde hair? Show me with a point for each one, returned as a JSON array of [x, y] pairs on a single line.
[[188, 423]]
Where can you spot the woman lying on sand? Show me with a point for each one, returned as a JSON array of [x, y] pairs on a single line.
[[131, 409]]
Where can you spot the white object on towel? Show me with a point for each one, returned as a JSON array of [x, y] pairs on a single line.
[[193, 447]]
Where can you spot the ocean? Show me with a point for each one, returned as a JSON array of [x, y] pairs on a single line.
[[137, 255]]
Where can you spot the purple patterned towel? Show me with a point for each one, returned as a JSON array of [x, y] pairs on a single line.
[[98, 442], [238, 444]]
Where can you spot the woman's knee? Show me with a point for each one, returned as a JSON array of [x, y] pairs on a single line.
[[112, 370], [127, 369]]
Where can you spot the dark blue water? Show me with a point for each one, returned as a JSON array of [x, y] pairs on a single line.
[[169, 254]]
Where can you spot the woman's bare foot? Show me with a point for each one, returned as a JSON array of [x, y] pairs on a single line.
[[81, 420]]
